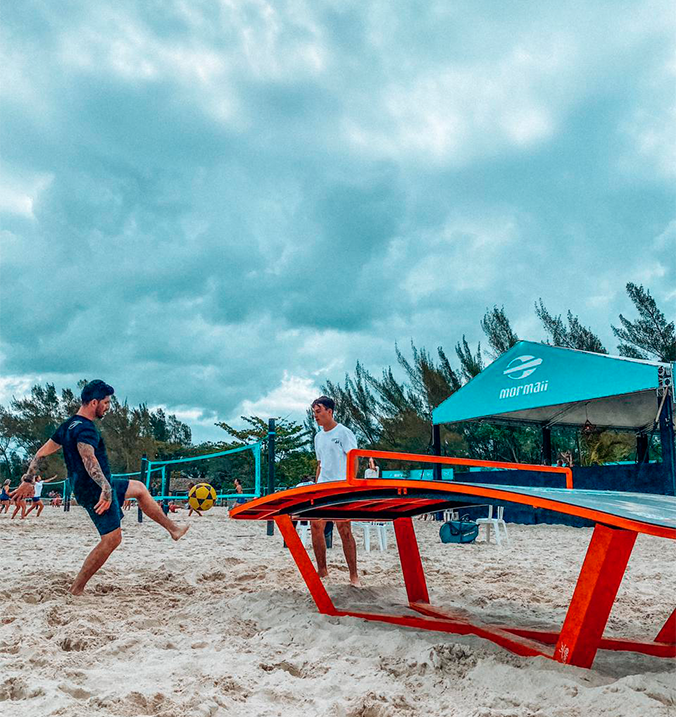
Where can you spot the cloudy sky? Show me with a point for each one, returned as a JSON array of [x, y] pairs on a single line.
[[216, 205]]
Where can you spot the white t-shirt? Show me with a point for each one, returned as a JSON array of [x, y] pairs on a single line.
[[331, 448], [37, 486], [372, 473]]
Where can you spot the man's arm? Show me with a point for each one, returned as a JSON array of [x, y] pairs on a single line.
[[93, 467], [319, 470], [45, 450]]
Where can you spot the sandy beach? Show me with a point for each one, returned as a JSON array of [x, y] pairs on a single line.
[[221, 624]]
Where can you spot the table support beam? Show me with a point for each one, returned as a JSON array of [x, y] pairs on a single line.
[[597, 586], [668, 632], [307, 569], [411, 566]]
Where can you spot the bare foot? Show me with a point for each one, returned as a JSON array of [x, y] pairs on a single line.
[[323, 573], [179, 532], [354, 581], [74, 591]]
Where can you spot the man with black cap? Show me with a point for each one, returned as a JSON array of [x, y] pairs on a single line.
[[84, 452]]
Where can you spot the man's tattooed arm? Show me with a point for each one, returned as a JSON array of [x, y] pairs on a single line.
[[37, 462], [94, 469]]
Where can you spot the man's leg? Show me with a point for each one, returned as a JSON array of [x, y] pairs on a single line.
[[20, 506], [96, 559], [30, 508], [150, 507], [350, 549], [319, 546], [41, 506]]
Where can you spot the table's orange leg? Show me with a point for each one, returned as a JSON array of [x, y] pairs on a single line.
[[414, 576], [668, 632], [597, 586], [307, 569]]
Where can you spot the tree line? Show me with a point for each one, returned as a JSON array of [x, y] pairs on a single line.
[[389, 411]]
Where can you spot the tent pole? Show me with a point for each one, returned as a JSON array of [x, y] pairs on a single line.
[[667, 440], [436, 449], [547, 445]]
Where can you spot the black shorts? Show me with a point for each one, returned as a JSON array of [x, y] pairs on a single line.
[[110, 520]]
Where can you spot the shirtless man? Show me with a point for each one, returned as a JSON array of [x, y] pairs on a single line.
[[332, 444], [87, 462], [21, 494]]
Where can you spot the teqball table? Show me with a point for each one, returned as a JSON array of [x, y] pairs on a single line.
[[618, 517]]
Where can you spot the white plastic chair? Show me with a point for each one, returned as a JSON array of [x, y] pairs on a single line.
[[496, 523], [381, 532], [303, 528]]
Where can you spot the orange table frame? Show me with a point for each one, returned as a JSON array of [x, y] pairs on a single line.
[[581, 634]]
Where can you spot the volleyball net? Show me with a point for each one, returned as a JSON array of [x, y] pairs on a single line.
[[171, 479]]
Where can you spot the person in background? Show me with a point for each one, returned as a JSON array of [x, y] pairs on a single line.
[[37, 495], [19, 495], [238, 489], [192, 510], [4, 497], [373, 471]]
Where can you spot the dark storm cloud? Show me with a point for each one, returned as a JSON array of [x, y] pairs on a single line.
[[212, 204]]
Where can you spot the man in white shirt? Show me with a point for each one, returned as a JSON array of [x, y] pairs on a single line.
[[332, 443]]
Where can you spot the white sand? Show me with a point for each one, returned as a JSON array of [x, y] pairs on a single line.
[[221, 624]]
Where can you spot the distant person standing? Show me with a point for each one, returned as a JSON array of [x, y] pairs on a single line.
[[239, 490], [84, 452], [4, 497], [332, 443], [21, 494], [192, 510], [37, 495]]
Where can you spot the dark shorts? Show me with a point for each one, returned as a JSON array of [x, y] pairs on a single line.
[[111, 519], [35, 500]]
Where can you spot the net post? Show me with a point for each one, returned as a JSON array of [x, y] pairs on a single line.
[[271, 468], [145, 477], [257, 469], [66, 495]]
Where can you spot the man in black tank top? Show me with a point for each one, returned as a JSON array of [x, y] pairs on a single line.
[[84, 452]]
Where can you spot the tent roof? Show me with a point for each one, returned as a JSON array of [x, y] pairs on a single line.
[[549, 385]]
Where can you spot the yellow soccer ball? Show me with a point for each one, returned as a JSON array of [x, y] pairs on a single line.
[[201, 496]]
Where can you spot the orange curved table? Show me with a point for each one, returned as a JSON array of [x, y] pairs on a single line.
[[618, 517]]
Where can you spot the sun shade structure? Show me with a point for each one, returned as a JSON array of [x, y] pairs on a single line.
[[618, 518], [554, 386]]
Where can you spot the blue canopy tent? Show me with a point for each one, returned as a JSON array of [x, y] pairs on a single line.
[[549, 386]]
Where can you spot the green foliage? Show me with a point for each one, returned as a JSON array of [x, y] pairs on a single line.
[[572, 336], [649, 336], [498, 330], [294, 459], [471, 365], [128, 432]]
